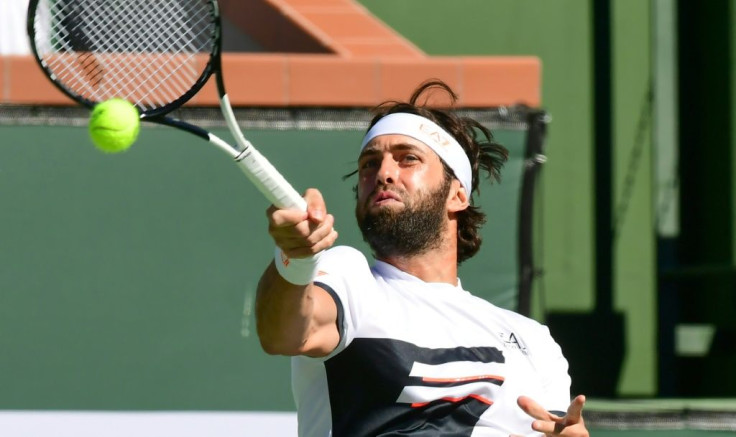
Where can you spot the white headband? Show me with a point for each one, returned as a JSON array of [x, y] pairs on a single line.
[[431, 134]]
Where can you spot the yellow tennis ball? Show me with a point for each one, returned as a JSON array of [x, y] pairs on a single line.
[[114, 125]]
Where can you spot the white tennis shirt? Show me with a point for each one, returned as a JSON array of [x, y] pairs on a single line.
[[422, 359]]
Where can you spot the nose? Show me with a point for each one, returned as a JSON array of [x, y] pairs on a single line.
[[388, 171]]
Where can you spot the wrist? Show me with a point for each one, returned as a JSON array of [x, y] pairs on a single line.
[[298, 271]]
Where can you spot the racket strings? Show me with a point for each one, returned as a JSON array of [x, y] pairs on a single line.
[[148, 52]]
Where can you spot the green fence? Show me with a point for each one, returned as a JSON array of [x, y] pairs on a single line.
[[127, 281]]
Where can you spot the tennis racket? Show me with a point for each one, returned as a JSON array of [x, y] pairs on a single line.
[[157, 54]]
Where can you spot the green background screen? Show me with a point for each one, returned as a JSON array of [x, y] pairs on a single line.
[[127, 281]]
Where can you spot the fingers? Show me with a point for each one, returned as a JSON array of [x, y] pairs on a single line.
[[575, 410], [533, 409], [302, 233], [560, 429], [549, 424], [548, 427], [281, 218], [299, 237], [311, 241]]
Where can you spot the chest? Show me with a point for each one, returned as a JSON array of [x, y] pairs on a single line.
[[440, 320], [419, 348]]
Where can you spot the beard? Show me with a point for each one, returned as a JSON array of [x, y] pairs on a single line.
[[412, 230]]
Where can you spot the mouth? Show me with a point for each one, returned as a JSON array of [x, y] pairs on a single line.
[[385, 197]]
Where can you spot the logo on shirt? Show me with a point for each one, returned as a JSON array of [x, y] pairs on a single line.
[[511, 341]]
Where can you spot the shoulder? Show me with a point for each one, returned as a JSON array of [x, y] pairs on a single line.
[[534, 333], [513, 318], [342, 265], [346, 253], [342, 260]]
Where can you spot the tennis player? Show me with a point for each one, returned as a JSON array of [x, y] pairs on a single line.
[[400, 348]]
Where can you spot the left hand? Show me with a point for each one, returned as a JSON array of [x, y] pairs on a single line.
[[570, 425]]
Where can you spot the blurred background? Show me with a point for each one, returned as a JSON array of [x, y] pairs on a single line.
[[126, 282]]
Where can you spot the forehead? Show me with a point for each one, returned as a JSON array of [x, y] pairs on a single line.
[[395, 142]]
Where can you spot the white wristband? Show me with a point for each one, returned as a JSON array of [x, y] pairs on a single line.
[[298, 271]]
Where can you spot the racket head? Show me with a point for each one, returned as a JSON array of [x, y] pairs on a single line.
[[155, 54]]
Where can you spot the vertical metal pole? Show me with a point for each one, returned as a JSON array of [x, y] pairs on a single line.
[[667, 196], [533, 160], [603, 143]]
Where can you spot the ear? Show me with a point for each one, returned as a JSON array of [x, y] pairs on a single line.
[[458, 199]]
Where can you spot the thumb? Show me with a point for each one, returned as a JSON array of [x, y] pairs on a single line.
[[316, 208]]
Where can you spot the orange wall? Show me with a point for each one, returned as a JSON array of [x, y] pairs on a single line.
[[363, 62]]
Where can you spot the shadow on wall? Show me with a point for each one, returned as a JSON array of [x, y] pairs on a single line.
[[593, 344], [261, 27]]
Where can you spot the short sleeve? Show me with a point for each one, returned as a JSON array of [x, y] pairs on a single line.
[[345, 274]]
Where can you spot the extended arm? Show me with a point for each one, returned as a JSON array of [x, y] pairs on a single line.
[[293, 319]]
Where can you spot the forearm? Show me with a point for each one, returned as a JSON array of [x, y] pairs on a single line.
[[282, 313], [294, 319]]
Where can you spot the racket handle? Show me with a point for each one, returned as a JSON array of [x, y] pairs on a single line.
[[261, 173], [269, 181]]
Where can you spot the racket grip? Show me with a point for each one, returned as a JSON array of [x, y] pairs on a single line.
[[269, 181]]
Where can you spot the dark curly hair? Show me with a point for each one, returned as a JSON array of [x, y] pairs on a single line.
[[477, 141]]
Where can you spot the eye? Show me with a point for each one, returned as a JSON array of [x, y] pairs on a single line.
[[367, 163], [409, 158]]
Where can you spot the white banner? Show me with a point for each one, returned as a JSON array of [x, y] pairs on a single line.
[[13, 39], [146, 424]]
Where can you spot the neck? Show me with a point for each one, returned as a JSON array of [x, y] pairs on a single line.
[[436, 265], [426, 267]]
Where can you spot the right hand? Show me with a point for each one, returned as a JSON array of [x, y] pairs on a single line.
[[570, 425], [300, 234]]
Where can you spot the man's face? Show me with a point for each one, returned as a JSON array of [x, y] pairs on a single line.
[[401, 196]]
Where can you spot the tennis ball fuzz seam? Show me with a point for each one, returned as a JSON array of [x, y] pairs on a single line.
[[114, 125]]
